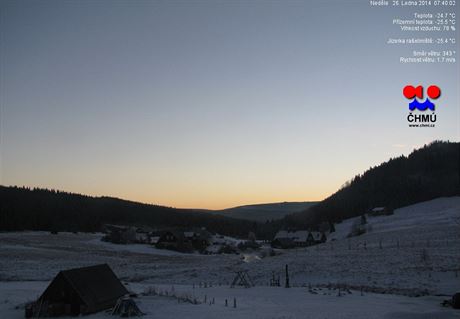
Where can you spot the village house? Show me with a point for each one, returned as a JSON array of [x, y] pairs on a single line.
[[200, 239], [282, 240], [283, 243], [316, 237], [299, 238], [174, 240], [184, 241], [147, 235], [153, 239], [118, 234], [142, 237]]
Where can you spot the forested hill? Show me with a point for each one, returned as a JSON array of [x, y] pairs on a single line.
[[429, 172], [42, 209]]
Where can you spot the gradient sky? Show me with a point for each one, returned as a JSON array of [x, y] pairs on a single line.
[[207, 104]]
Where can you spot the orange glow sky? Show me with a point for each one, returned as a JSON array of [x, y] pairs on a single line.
[[205, 104]]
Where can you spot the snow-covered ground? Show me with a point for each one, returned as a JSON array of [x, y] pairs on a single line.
[[415, 252], [438, 212], [253, 303]]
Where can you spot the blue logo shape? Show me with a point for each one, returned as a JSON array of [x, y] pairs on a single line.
[[421, 106]]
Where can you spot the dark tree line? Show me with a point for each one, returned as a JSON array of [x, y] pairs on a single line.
[[23, 208], [427, 173]]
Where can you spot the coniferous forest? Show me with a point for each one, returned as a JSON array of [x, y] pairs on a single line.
[[43, 209], [427, 173]]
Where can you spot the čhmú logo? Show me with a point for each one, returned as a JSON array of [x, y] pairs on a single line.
[[411, 92], [415, 93]]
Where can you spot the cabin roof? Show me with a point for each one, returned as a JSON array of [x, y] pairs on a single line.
[[95, 284]]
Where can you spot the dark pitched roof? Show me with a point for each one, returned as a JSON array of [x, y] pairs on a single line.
[[176, 233], [95, 284]]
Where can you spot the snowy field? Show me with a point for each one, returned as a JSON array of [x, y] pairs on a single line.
[[403, 267], [253, 303]]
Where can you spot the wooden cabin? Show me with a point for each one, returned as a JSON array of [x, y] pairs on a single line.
[[78, 291]]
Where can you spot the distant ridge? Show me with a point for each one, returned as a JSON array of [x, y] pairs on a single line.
[[264, 212]]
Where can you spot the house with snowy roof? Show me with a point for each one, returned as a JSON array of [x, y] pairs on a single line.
[[298, 238]]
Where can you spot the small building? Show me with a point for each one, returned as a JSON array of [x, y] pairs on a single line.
[[153, 240], [144, 234], [171, 237], [380, 211], [299, 238], [184, 241], [316, 237], [78, 291], [200, 239], [118, 234], [290, 239], [283, 243], [174, 240], [142, 238]]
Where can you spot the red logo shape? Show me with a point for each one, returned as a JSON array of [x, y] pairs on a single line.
[[433, 92], [410, 92]]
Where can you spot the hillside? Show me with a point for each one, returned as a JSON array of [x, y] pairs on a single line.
[[414, 252], [436, 213], [427, 173], [42, 209], [264, 212]]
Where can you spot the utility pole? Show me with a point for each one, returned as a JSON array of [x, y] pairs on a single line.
[[287, 277]]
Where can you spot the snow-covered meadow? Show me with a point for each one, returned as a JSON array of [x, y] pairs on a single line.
[[403, 267], [253, 303]]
